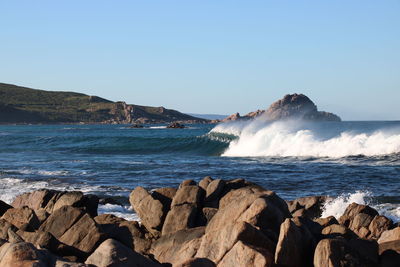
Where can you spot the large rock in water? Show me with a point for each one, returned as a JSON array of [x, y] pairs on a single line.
[[294, 106]]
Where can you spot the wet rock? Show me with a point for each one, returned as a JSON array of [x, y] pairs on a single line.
[[113, 253], [245, 255], [176, 125], [177, 247], [150, 210], [22, 218]]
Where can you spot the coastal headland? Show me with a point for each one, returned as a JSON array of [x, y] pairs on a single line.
[[211, 223]]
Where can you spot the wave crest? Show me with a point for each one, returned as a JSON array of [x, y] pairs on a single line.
[[303, 139]]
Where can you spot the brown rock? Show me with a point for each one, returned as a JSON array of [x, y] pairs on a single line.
[[378, 225], [326, 221], [165, 196], [113, 253], [150, 210], [61, 220], [339, 252], [205, 182], [24, 254], [207, 214], [129, 233], [216, 243], [180, 217], [290, 249], [390, 235], [177, 247], [76, 199], [22, 218], [310, 207], [214, 190], [190, 194], [245, 255], [187, 182], [34, 200], [335, 230], [4, 226], [352, 210], [84, 235]]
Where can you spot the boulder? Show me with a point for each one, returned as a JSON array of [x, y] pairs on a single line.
[[165, 196], [205, 182], [360, 223], [352, 210], [206, 215], [24, 254], [180, 217], [196, 262], [378, 225], [214, 190], [177, 247], [187, 182], [4, 207], [242, 254], [339, 252], [217, 242], [113, 253], [389, 253], [190, 194], [336, 230], [129, 233], [326, 221], [4, 227], [150, 210], [310, 207], [34, 200], [76, 199], [292, 248], [61, 220], [390, 235], [22, 218], [84, 235]]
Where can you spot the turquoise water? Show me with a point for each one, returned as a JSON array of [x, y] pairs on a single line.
[[296, 159]]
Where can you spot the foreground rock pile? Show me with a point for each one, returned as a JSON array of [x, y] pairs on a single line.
[[212, 223]]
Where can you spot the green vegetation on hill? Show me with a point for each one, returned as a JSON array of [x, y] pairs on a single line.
[[26, 105]]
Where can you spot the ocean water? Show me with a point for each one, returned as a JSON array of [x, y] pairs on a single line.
[[349, 161]]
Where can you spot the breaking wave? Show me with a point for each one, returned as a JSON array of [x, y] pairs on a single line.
[[299, 139]]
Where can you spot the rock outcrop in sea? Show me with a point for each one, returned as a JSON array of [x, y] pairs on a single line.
[[294, 106], [210, 223]]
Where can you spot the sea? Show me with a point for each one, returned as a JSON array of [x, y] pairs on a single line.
[[350, 161]]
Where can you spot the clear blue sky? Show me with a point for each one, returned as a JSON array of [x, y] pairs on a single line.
[[209, 56]]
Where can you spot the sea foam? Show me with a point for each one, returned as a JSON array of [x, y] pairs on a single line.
[[298, 138]]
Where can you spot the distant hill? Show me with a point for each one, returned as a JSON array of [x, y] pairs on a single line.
[[25, 105]]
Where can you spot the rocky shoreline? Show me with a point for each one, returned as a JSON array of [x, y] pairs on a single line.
[[212, 223]]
